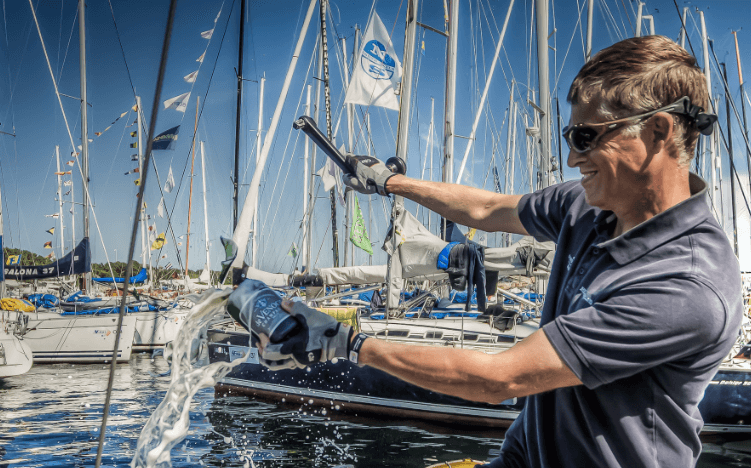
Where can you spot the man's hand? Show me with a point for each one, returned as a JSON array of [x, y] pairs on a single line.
[[370, 175], [320, 339]]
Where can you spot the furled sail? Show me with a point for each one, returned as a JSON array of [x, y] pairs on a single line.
[[74, 263], [139, 278]]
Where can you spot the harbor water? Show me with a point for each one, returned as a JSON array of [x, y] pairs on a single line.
[[51, 416]]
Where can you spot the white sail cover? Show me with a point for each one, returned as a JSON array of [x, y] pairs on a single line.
[[276, 280], [367, 274]]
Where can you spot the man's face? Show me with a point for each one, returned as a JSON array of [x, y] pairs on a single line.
[[614, 171]]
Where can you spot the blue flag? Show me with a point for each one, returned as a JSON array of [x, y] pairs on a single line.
[[166, 140], [497, 180]]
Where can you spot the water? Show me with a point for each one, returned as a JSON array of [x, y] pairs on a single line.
[[51, 417]]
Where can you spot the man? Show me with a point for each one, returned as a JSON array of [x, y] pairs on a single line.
[[644, 296]]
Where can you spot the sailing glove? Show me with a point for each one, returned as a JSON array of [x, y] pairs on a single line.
[[320, 338], [370, 175]]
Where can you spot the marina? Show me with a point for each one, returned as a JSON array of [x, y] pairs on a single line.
[[155, 361], [52, 414]]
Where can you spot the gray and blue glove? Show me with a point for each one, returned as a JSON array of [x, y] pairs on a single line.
[[321, 338], [370, 175]]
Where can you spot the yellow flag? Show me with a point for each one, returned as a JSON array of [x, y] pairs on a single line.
[[137, 182], [135, 107], [159, 242], [471, 233]]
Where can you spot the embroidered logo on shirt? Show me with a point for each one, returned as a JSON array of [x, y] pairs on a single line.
[[570, 262], [586, 296]]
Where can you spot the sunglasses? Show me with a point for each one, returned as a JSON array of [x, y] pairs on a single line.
[[584, 136]]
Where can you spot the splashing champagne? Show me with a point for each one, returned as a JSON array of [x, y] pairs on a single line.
[[169, 423]]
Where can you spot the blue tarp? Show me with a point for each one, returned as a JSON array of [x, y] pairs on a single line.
[[460, 297], [139, 278]]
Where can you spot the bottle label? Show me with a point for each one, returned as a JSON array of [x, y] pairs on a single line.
[[266, 313]]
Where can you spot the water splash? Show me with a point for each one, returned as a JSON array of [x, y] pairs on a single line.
[[169, 423]]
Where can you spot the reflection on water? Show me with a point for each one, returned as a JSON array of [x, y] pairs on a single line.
[[51, 417]]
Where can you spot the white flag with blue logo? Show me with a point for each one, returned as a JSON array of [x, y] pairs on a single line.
[[377, 71]]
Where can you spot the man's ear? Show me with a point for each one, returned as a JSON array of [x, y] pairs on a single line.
[[661, 130]]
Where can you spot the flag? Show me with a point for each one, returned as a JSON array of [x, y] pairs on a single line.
[[170, 183], [68, 183], [56, 215], [67, 193], [137, 182], [51, 231], [48, 245], [358, 235], [207, 34], [293, 251], [191, 77], [62, 173], [160, 208], [134, 145], [422, 48], [496, 180], [134, 108], [13, 260], [159, 242], [98, 133], [471, 234], [70, 163], [165, 140], [133, 171], [374, 82], [134, 122], [168, 265], [328, 174], [200, 59], [134, 133], [179, 103], [134, 157], [51, 256]]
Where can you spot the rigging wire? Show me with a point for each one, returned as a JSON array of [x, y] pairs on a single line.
[[134, 230]]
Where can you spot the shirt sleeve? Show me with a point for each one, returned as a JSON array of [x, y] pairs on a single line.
[[640, 327], [542, 213]]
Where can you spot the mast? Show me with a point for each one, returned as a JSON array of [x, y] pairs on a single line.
[[638, 19], [394, 280], [450, 100], [205, 213], [743, 106], [59, 201], [590, 25], [329, 133], [236, 180], [348, 246], [190, 196], [712, 148], [146, 250], [306, 188], [242, 230], [683, 27], [254, 243], [544, 82], [311, 175], [84, 129], [732, 161], [484, 93]]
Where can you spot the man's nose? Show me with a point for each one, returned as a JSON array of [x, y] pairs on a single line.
[[575, 158]]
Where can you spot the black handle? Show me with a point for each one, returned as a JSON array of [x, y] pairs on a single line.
[[308, 125]]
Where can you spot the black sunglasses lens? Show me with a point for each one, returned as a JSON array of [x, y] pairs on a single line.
[[581, 138]]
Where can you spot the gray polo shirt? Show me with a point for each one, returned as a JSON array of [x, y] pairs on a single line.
[[643, 320]]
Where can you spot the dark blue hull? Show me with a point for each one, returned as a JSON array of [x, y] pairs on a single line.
[[344, 387]]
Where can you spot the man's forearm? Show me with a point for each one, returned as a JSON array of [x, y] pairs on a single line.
[[529, 367], [468, 206]]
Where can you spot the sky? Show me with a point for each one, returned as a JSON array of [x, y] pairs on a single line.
[[123, 45]]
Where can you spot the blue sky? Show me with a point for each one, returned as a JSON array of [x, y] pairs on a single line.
[[28, 105]]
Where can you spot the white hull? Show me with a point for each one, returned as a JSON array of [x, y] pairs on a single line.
[[154, 329], [15, 354], [56, 338]]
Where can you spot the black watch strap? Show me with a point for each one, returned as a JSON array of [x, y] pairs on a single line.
[[354, 347]]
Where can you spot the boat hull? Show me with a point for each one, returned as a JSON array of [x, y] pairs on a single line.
[[56, 338], [154, 329], [347, 388], [16, 356]]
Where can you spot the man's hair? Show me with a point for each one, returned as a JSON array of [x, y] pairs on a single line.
[[641, 74]]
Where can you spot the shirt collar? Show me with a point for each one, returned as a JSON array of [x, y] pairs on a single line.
[[659, 229]]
